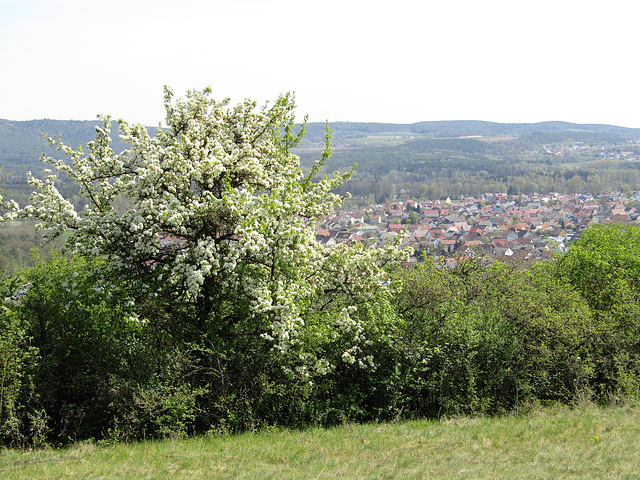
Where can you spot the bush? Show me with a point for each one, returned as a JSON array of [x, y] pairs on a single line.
[[91, 347], [487, 337], [205, 235], [20, 425], [604, 266]]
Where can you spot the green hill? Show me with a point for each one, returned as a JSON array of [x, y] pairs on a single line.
[[428, 159]]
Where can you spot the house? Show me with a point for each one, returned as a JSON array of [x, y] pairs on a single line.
[[511, 236], [450, 262], [357, 238], [472, 243], [500, 242], [448, 245], [396, 228], [522, 241]]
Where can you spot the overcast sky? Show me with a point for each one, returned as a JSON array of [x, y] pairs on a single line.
[[346, 60]]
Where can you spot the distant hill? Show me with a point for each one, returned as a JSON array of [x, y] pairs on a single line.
[[22, 142], [462, 128], [20, 138], [429, 159]]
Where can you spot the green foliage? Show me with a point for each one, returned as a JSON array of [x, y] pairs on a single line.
[[489, 337], [163, 406], [79, 334], [193, 298], [429, 161], [83, 364], [604, 266], [18, 427], [486, 337]]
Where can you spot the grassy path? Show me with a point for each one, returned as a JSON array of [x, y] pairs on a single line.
[[584, 443]]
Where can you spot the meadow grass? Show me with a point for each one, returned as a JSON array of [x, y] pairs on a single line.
[[585, 442], [17, 240]]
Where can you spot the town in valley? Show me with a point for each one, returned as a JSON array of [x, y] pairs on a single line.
[[524, 227]]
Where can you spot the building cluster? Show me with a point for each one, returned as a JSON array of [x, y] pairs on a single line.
[[526, 227], [627, 151]]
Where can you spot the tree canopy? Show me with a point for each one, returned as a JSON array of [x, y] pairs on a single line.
[[213, 214]]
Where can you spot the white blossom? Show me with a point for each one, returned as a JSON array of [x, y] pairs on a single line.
[[217, 205]]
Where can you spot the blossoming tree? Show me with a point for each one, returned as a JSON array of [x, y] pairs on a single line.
[[218, 216]]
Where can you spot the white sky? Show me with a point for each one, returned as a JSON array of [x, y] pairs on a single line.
[[347, 60]]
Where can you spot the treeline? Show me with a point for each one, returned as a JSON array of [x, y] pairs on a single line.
[[484, 338], [23, 143], [344, 131], [435, 163], [435, 168]]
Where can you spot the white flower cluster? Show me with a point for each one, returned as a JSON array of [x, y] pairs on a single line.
[[216, 204]]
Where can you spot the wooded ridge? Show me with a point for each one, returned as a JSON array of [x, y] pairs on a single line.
[[424, 160]]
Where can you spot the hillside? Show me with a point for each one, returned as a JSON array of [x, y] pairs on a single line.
[[427, 159], [462, 128], [18, 138]]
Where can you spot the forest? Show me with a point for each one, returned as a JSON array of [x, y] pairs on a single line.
[[189, 296], [543, 162], [425, 160]]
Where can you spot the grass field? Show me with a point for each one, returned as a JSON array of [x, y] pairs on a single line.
[[587, 442], [17, 239]]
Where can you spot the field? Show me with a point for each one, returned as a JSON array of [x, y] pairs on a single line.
[[17, 239], [586, 442]]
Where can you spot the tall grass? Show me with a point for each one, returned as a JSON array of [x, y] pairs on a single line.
[[586, 442]]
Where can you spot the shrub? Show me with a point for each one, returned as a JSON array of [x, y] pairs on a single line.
[[488, 336], [604, 266]]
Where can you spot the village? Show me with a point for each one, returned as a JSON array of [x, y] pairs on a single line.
[[608, 151], [527, 228]]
